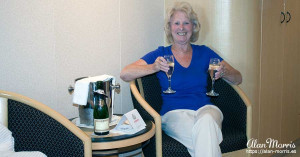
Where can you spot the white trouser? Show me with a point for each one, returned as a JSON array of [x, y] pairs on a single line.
[[199, 131]]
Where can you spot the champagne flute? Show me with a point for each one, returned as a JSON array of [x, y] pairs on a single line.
[[214, 64], [170, 61]]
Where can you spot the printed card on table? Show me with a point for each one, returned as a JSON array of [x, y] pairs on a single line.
[[130, 123]]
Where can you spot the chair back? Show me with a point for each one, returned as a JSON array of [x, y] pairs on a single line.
[[234, 111], [229, 102], [36, 127], [37, 123]]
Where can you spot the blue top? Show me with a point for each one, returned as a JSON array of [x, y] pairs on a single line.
[[189, 83]]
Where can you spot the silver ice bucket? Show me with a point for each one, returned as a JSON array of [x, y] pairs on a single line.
[[107, 88]]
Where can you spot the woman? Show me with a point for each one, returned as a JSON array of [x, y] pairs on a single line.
[[187, 115]]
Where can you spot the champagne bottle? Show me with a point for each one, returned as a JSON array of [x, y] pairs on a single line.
[[101, 114]]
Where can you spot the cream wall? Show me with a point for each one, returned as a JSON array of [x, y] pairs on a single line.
[[45, 45]]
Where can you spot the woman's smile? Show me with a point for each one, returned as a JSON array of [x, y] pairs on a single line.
[[181, 33]]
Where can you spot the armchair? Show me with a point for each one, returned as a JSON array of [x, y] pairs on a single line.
[[36, 127], [234, 104]]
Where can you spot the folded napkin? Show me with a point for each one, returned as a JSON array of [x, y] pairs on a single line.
[[22, 154], [6, 139], [7, 143], [81, 89]]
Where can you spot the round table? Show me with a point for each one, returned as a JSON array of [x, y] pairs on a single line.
[[114, 143]]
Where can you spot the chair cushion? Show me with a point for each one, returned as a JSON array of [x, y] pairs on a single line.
[[233, 139]]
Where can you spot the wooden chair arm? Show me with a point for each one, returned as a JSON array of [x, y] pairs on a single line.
[[153, 113], [249, 109]]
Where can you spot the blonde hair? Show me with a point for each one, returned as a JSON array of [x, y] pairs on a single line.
[[188, 10]]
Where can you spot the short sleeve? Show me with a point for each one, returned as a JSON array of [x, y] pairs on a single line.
[[212, 54], [151, 56]]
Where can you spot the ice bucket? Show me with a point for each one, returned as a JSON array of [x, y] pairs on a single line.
[[107, 88]]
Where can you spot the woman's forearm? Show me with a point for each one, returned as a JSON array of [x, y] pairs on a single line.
[[133, 71], [233, 76], [136, 70], [230, 74], [140, 68]]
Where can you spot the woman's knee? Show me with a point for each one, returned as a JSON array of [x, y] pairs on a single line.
[[212, 115], [211, 109]]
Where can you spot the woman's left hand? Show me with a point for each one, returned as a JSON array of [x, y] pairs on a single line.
[[221, 71], [230, 74]]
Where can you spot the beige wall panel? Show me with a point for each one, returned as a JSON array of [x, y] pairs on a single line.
[[27, 57], [232, 29], [87, 43], [271, 71], [291, 85], [142, 31]]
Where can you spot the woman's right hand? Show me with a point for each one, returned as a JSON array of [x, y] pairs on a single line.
[[140, 68], [160, 64]]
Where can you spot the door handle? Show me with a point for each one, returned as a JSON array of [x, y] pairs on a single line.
[[282, 13], [288, 13]]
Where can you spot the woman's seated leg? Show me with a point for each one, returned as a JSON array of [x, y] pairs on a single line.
[[199, 130]]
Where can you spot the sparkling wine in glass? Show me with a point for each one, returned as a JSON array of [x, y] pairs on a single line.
[[214, 64], [170, 61]]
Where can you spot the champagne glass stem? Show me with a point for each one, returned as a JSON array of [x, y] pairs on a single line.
[[169, 79], [212, 84]]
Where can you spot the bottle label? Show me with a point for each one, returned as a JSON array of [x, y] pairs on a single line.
[[101, 125]]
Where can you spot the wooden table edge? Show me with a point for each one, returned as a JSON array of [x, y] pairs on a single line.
[[125, 143]]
